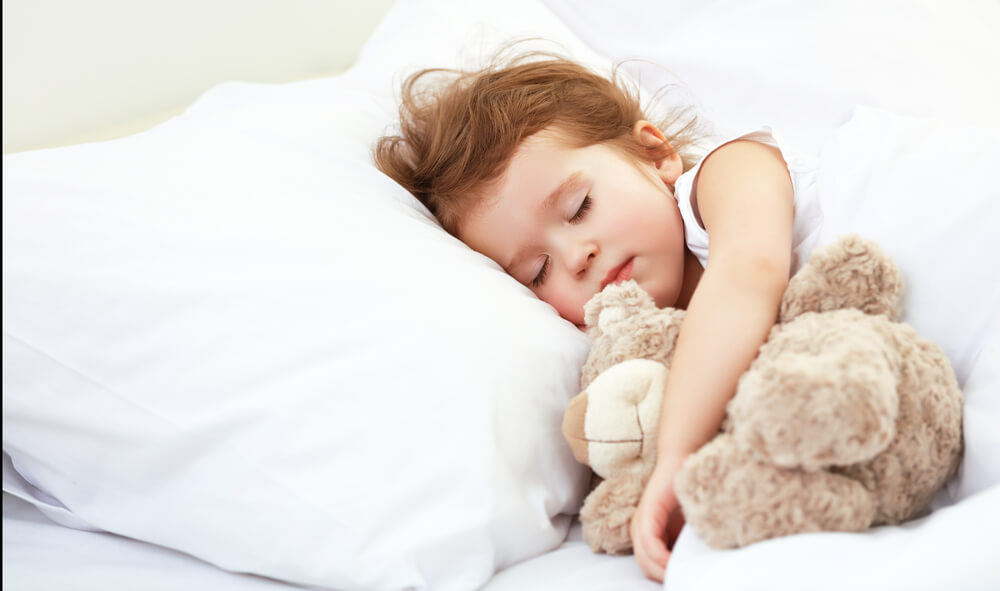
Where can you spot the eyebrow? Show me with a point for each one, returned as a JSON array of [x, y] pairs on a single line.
[[550, 202], [563, 188]]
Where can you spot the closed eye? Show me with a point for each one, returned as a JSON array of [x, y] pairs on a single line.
[[542, 273], [582, 211]]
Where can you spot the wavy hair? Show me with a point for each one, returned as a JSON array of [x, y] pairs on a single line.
[[458, 130]]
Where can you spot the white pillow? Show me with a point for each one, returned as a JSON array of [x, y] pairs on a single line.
[[232, 336]]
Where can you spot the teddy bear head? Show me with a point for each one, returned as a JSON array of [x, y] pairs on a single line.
[[624, 323]]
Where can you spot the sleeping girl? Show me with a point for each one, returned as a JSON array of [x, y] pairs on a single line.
[[555, 173]]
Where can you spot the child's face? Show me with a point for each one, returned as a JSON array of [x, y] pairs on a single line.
[[567, 221]]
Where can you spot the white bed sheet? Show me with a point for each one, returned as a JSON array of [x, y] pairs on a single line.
[[40, 554]]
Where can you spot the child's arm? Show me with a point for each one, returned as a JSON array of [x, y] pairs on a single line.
[[745, 202]]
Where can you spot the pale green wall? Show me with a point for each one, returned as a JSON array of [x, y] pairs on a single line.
[[84, 70]]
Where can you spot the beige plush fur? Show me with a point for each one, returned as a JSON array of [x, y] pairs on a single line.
[[846, 419]]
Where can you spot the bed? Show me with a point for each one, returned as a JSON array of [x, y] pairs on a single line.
[[237, 357]]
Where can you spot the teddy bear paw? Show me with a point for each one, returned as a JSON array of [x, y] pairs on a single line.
[[833, 407]]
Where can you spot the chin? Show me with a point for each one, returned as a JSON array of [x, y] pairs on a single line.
[[663, 300]]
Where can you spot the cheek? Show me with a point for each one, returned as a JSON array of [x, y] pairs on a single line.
[[567, 302]]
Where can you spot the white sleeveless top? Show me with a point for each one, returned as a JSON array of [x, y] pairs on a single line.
[[808, 215]]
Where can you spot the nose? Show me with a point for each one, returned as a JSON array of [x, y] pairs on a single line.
[[579, 255]]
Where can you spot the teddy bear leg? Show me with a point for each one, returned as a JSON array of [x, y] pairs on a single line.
[[834, 407], [732, 497], [607, 513]]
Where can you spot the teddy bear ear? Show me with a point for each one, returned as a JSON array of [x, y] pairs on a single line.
[[851, 272], [613, 304]]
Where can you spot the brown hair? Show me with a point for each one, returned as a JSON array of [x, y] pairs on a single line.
[[458, 135]]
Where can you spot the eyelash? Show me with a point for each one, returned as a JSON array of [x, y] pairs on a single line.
[[584, 208], [540, 278], [579, 215]]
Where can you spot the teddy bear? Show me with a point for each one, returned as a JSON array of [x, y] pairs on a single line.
[[846, 419]]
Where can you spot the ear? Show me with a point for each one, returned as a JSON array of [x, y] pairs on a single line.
[[666, 160]]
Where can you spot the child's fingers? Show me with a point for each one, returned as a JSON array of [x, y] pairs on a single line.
[[648, 525], [652, 557], [653, 560]]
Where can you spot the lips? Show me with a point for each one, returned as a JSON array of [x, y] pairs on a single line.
[[616, 275]]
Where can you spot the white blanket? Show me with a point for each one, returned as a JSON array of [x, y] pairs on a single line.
[[953, 548]]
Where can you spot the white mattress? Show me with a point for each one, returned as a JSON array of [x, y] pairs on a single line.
[[40, 554]]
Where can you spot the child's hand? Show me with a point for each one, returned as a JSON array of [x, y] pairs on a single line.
[[657, 520]]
